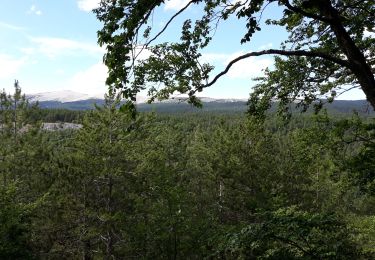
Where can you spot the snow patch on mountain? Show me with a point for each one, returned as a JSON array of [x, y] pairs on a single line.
[[62, 96], [65, 96]]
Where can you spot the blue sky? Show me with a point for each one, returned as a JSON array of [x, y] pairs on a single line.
[[52, 45]]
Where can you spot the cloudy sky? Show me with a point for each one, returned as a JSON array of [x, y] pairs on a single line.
[[52, 45]]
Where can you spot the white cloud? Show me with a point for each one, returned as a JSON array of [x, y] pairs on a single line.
[[90, 80], [370, 34], [34, 10], [10, 65], [53, 47], [175, 4], [142, 53], [214, 57], [60, 72], [249, 68], [11, 26], [265, 46], [88, 5], [245, 69], [28, 51]]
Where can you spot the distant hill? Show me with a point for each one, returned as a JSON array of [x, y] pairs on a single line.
[[63, 96], [338, 106], [78, 101], [221, 106], [73, 105]]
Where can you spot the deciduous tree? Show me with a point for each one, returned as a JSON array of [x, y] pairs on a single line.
[[329, 49]]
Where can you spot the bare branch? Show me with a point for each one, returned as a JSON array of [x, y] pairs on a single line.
[[145, 46], [300, 53], [264, 8], [170, 20], [347, 90]]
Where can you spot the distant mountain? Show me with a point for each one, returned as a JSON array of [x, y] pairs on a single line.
[[69, 96], [62, 96], [73, 105], [78, 101], [69, 99]]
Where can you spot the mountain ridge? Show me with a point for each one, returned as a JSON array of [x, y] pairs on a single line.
[[65, 96], [79, 101], [62, 96]]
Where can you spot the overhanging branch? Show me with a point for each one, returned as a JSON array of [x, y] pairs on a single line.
[[300, 53], [170, 20], [145, 46], [304, 13]]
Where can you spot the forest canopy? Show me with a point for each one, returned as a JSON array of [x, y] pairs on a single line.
[[204, 185], [330, 49], [185, 186]]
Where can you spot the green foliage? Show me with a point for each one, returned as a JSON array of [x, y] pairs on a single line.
[[327, 50], [14, 228], [187, 186], [360, 166], [58, 115], [289, 233]]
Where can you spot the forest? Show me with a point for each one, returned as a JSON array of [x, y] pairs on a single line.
[[279, 177], [184, 186]]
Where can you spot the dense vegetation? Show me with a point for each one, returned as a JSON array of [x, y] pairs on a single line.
[[329, 48], [67, 112], [185, 186]]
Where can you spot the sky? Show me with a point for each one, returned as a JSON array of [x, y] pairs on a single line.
[[52, 46]]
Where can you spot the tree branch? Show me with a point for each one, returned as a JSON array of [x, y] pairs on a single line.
[[304, 13], [145, 46], [300, 53], [295, 244], [170, 20]]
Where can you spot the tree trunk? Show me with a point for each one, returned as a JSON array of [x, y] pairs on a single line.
[[358, 64]]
